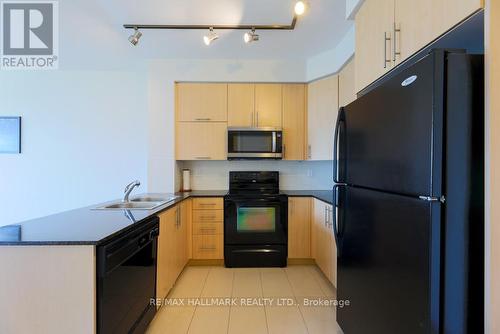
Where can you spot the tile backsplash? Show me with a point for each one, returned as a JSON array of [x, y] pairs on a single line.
[[214, 175]]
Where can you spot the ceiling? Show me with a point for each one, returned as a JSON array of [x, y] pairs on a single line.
[[93, 28]]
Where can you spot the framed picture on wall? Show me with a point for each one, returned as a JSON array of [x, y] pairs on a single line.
[[10, 134]]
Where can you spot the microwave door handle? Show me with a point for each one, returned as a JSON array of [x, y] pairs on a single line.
[[274, 141]]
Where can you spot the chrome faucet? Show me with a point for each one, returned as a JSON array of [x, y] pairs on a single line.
[[129, 188]]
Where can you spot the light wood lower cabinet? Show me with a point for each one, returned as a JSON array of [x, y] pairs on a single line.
[[208, 228], [208, 247], [323, 246], [299, 227], [173, 252], [201, 141], [166, 247]]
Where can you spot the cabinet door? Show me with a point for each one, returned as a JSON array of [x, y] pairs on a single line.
[[241, 105], [317, 239], [331, 248], [447, 13], [184, 233], [201, 102], [322, 97], [268, 105], [347, 91], [299, 227], [166, 249], [294, 122], [374, 24], [201, 141], [414, 20]]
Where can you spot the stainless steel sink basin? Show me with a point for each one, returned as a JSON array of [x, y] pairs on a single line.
[[143, 202], [153, 199], [131, 206]]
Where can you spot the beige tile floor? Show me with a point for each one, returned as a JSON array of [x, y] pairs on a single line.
[[222, 291]]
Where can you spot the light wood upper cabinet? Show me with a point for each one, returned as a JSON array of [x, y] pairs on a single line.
[[413, 19], [374, 29], [197, 102], [201, 141], [323, 103], [299, 227], [294, 121], [447, 13], [241, 105], [347, 91], [268, 105], [390, 31]]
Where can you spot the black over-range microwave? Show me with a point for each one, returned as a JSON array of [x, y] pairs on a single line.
[[254, 143]]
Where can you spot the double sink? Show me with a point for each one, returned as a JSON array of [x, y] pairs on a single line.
[[145, 202]]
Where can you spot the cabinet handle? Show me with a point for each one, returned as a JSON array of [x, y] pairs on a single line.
[[257, 117], [309, 154], [203, 119], [284, 151], [207, 204], [252, 118], [208, 248], [207, 229], [203, 158], [207, 217], [325, 218], [395, 53], [386, 38]]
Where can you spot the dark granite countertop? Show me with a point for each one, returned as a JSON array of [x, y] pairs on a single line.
[[85, 226]]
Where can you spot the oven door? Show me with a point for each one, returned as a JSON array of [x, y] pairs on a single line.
[[254, 221], [254, 143]]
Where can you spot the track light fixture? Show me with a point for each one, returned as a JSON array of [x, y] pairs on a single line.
[[250, 37], [212, 36], [134, 38], [300, 7]]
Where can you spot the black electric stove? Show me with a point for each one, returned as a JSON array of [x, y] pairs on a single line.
[[255, 221]]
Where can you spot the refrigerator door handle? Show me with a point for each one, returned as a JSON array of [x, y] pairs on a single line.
[[336, 223], [340, 119]]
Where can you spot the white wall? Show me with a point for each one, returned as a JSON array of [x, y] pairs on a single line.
[[83, 139], [294, 175], [162, 170], [332, 61]]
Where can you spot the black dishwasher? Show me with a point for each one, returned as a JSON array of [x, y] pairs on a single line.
[[126, 280]]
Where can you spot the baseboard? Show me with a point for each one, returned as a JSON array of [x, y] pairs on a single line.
[[220, 262], [301, 261], [206, 262]]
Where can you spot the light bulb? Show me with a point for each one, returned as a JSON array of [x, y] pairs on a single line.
[[300, 7]]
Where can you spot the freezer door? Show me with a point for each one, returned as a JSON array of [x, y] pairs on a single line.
[[391, 138], [388, 264]]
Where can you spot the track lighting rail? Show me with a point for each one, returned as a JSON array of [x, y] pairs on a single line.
[[214, 27]]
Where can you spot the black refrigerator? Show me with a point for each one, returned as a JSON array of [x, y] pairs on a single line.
[[409, 197]]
